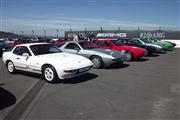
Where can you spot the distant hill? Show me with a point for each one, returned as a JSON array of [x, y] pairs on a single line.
[[9, 35]]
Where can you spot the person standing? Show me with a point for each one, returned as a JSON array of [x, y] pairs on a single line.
[[91, 37], [76, 37]]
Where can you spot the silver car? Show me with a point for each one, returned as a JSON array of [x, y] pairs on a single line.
[[100, 57]]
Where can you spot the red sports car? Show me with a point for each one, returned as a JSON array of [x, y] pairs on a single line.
[[132, 51]]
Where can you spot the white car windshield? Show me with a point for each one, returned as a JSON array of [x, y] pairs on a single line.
[[42, 49], [118, 42], [135, 41]]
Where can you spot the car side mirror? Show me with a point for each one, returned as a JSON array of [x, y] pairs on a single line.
[[77, 49], [25, 55]]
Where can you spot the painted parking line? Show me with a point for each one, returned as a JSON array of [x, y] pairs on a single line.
[[18, 110]]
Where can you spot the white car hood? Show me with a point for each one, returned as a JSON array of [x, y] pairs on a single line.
[[66, 59]]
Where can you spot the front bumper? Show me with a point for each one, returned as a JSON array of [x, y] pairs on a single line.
[[77, 72], [140, 54], [158, 50]]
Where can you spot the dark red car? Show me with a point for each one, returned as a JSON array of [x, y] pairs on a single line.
[[132, 51]]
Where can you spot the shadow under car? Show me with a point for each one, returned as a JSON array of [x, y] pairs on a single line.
[[79, 79]]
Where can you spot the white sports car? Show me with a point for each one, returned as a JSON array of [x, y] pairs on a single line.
[[45, 59]]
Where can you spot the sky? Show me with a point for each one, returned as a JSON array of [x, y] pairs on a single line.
[[49, 15]]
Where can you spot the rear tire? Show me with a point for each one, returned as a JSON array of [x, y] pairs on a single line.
[[129, 56], [98, 63], [10, 67], [49, 73]]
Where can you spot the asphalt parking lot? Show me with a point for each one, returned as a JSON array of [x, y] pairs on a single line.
[[147, 89]]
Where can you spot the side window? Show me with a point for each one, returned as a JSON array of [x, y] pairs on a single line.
[[107, 43], [133, 41], [129, 41], [72, 46], [17, 50], [20, 50], [25, 50], [122, 41], [59, 45], [101, 43]]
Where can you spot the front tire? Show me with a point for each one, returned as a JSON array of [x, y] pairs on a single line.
[[10, 67], [98, 63], [49, 74]]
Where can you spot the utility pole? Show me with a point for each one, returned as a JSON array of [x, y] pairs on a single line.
[[138, 33], [138, 28], [57, 33], [33, 33], [85, 32], [159, 28], [44, 33], [101, 28], [119, 29], [71, 32], [22, 32]]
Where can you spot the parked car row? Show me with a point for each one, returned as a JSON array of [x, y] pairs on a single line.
[[70, 59], [100, 57], [3, 47]]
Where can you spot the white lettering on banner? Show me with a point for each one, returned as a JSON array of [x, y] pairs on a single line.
[[111, 35], [154, 35], [121, 34]]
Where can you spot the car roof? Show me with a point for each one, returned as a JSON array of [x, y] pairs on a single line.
[[77, 41], [105, 39], [29, 44]]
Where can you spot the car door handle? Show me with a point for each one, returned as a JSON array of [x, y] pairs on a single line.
[[17, 58]]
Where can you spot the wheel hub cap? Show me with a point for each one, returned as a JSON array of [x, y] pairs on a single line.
[[10, 67], [49, 75]]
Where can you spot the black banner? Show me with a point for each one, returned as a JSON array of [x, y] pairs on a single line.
[[126, 34]]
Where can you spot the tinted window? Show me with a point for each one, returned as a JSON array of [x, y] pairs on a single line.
[[102, 43], [72, 46], [44, 49], [122, 41], [118, 42], [139, 41], [20, 50], [145, 40], [133, 42], [126, 41], [59, 45], [87, 45]]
